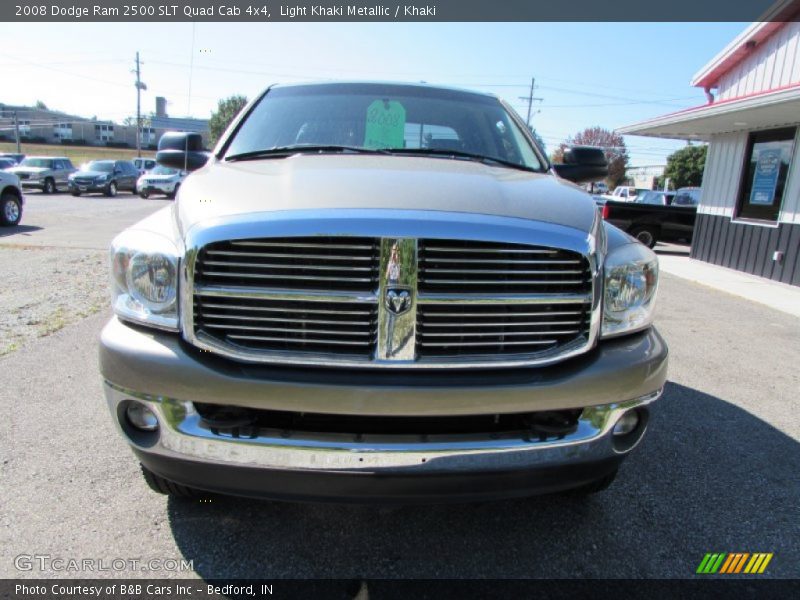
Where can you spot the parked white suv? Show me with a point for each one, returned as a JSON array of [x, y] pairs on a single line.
[[161, 180], [11, 199]]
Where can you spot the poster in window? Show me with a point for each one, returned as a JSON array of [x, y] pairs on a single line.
[[765, 180]]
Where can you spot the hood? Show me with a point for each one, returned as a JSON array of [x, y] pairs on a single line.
[[31, 170], [324, 182], [89, 174]]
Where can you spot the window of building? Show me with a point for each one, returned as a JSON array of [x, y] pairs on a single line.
[[766, 169]]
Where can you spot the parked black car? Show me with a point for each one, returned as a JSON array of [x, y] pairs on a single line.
[[104, 176], [650, 223]]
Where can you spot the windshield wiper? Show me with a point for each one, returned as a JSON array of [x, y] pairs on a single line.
[[284, 151], [456, 154]]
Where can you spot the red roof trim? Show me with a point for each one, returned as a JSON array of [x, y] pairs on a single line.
[[782, 88]]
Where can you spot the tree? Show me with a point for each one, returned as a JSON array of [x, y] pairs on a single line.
[[41, 105], [613, 147], [685, 167], [227, 109]]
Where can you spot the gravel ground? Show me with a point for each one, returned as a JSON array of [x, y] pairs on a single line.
[[717, 472], [54, 265], [45, 289]]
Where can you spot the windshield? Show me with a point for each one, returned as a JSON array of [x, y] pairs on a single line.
[[45, 163], [159, 170], [384, 118], [687, 198], [103, 166], [650, 198]]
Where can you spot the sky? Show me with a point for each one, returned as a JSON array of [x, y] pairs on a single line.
[[606, 74]]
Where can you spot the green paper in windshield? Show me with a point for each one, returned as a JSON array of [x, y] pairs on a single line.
[[386, 124]]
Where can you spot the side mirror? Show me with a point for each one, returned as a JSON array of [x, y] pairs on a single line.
[[582, 163], [183, 151]]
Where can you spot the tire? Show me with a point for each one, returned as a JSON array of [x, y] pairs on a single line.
[[10, 209], [174, 192], [647, 234], [75, 193], [111, 189], [164, 486], [49, 186], [144, 195]]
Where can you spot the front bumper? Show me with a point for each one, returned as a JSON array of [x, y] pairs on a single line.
[[156, 188], [88, 188], [159, 370], [36, 184]]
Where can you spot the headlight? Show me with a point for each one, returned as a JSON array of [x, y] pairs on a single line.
[[145, 279], [629, 297]]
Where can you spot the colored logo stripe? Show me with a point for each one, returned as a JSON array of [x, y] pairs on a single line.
[[758, 563], [734, 562]]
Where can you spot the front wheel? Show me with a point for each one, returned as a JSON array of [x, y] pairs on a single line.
[[174, 193], [647, 235], [75, 193], [111, 190], [49, 186], [144, 195], [10, 210]]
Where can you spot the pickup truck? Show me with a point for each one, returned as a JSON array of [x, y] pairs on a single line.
[[624, 193], [650, 223], [375, 292]]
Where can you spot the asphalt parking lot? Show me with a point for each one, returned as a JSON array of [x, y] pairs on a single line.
[[718, 471]]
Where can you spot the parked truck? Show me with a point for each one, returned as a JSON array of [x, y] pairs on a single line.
[[650, 223], [380, 292]]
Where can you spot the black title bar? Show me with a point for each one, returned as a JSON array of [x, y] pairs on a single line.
[[404, 11]]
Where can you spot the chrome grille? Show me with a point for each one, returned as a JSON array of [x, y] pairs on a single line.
[[454, 329], [457, 266], [324, 300], [261, 325], [315, 263]]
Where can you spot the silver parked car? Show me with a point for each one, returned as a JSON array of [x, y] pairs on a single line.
[[11, 199], [380, 292], [46, 173]]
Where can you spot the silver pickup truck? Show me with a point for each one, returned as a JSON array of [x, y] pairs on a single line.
[[380, 292]]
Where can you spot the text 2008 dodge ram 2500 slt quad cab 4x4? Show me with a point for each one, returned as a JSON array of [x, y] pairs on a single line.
[[379, 292]]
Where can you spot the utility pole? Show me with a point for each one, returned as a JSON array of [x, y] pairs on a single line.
[[530, 100], [16, 131], [139, 87]]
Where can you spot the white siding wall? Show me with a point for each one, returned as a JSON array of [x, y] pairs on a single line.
[[722, 173], [722, 176], [775, 64], [790, 212]]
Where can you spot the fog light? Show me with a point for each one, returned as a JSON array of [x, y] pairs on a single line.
[[141, 417], [627, 423]]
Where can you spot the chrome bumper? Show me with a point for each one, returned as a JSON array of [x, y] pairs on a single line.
[[183, 435], [159, 370]]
